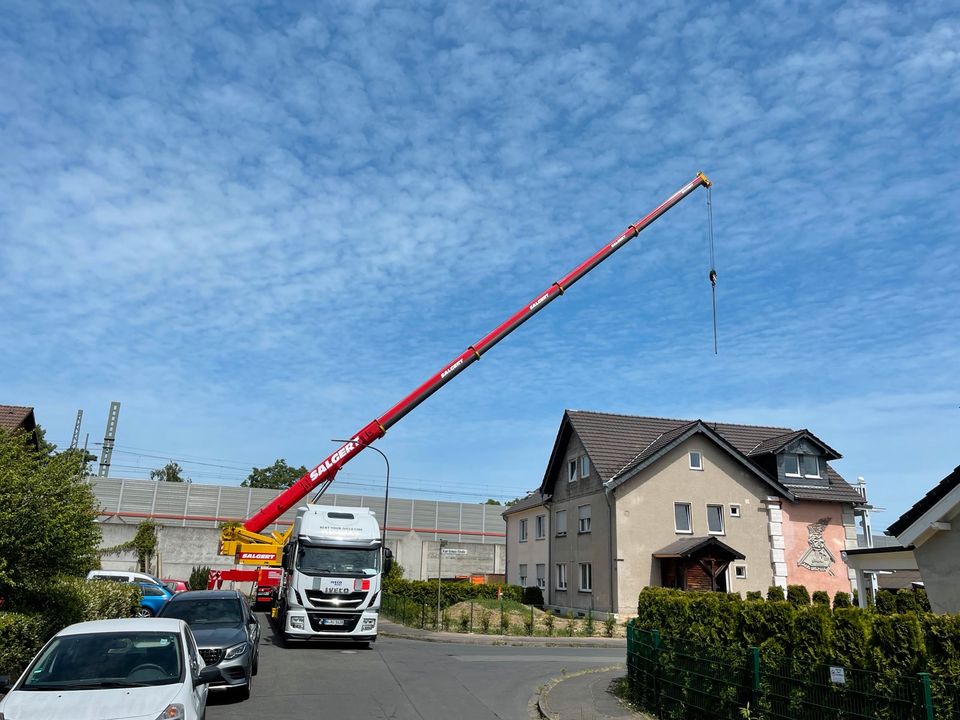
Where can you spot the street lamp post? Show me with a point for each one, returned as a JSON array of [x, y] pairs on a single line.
[[443, 544], [386, 489]]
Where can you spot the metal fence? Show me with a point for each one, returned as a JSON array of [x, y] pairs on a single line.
[[676, 678]]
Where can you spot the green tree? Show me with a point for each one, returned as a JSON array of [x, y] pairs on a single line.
[[278, 476], [47, 519], [171, 472], [491, 501]]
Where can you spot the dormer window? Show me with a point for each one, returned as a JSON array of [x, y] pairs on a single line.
[[798, 465]]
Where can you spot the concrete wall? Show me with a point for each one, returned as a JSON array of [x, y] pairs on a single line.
[[938, 561], [645, 517]]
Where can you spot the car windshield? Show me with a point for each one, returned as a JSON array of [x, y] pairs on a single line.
[[313, 560], [205, 611], [106, 660]]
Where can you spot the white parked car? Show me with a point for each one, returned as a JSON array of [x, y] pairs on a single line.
[[136, 668]]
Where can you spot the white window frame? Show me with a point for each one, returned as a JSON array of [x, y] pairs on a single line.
[[735, 510], [800, 471], [588, 585], [523, 574], [737, 572], [541, 569], [540, 527], [688, 531], [584, 466], [523, 529], [583, 523], [560, 518], [723, 525], [572, 470], [699, 465], [561, 576]]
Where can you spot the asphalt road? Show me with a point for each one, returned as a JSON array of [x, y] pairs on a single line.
[[401, 679]]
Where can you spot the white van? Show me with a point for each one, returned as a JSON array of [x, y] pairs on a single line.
[[124, 576]]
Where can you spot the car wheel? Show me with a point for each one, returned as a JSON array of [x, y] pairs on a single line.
[[144, 612]]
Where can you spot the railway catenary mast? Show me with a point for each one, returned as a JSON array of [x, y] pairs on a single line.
[[319, 478]]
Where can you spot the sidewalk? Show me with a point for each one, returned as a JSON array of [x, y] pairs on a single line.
[[583, 695]]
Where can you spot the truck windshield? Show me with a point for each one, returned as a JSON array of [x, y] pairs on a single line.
[[337, 561]]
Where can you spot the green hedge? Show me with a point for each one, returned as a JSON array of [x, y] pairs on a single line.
[[869, 639], [424, 592], [69, 600]]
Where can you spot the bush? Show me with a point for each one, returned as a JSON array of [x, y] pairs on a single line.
[[485, 618], [609, 625], [775, 592], [549, 622], [754, 595], [588, 625], [886, 602], [533, 596], [841, 600], [21, 637], [199, 577], [820, 597], [798, 595], [424, 592]]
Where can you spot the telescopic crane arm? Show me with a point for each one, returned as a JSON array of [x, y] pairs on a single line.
[[321, 476]]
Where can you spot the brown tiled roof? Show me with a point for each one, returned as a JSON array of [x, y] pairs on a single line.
[[778, 443], [618, 442], [935, 495], [530, 501], [15, 416]]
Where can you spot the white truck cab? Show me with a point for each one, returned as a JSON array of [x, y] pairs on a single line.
[[332, 569]]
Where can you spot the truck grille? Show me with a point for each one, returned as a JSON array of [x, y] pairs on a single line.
[[211, 656], [317, 623], [335, 600]]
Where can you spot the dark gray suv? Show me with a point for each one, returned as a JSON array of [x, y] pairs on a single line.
[[227, 633]]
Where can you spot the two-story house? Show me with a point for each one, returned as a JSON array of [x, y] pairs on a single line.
[[636, 501]]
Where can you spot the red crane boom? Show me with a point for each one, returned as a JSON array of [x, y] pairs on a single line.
[[324, 473]]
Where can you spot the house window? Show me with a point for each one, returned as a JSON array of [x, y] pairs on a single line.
[[584, 525], [586, 577], [541, 575], [572, 471], [715, 519], [560, 521], [734, 511], [523, 530], [799, 465], [681, 514], [541, 527], [696, 460], [523, 575], [584, 466], [740, 571], [561, 576]]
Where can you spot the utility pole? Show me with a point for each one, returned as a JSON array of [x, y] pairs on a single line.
[[108, 439], [76, 431]]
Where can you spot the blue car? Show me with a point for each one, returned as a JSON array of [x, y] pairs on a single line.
[[154, 598]]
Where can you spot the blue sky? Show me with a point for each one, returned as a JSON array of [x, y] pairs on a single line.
[[258, 227]]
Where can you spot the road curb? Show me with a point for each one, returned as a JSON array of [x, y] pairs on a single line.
[[538, 708]]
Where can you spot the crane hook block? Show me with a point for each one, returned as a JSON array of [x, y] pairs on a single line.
[[705, 179]]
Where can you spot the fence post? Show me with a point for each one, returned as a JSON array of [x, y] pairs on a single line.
[[531, 620], [655, 656], [755, 673], [927, 695], [471, 617]]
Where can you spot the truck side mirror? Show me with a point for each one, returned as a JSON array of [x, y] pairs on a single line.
[[387, 560]]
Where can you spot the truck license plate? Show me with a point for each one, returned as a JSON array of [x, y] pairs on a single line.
[[332, 621]]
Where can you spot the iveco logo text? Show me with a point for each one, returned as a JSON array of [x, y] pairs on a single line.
[[453, 367], [539, 301]]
